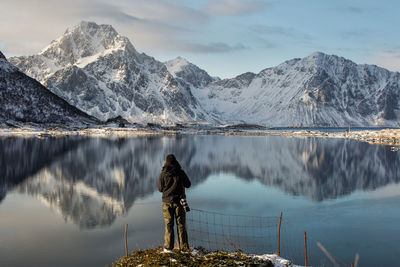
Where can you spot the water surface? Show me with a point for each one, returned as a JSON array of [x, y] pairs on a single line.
[[65, 201]]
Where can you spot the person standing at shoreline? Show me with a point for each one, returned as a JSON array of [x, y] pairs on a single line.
[[172, 183]]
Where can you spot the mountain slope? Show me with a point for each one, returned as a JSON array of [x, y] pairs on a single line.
[[318, 90], [99, 71], [24, 99]]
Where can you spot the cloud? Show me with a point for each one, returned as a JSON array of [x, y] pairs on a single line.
[[161, 10], [150, 25], [264, 43], [234, 7], [291, 33], [217, 47], [28, 26]]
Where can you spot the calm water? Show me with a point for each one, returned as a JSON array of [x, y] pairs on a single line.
[[65, 201]]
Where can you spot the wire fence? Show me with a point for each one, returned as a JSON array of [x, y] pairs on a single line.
[[257, 235]]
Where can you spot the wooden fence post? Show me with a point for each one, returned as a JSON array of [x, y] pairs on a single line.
[[126, 241], [305, 247], [279, 235]]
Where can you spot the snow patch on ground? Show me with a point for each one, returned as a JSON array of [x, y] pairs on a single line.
[[276, 260]]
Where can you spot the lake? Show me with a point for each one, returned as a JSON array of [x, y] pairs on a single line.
[[65, 201]]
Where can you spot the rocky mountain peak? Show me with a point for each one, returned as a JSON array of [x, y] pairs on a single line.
[[2, 56], [94, 68], [188, 73], [84, 40], [176, 65], [317, 63], [91, 28], [318, 54], [5, 66], [327, 62]]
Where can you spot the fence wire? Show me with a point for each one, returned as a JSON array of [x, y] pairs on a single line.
[[256, 235]]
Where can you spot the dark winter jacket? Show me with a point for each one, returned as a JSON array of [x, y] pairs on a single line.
[[172, 181]]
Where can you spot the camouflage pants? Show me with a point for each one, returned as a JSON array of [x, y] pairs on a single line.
[[171, 210]]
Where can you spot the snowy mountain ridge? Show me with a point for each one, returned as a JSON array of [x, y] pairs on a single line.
[[94, 68], [24, 99], [99, 71], [318, 90]]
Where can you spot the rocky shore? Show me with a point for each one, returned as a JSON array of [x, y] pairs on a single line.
[[390, 137]]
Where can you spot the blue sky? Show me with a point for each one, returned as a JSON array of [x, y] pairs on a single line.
[[224, 37]]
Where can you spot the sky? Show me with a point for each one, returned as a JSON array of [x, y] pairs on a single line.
[[224, 37]]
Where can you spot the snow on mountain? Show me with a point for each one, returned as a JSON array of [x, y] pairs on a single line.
[[318, 90], [99, 71], [176, 65], [188, 73], [24, 99]]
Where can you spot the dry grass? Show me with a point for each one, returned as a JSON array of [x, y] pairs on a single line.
[[199, 257]]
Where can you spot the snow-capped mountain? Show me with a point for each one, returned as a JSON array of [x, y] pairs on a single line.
[[318, 90], [23, 99], [99, 71]]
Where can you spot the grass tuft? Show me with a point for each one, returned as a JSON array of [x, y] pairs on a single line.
[[198, 257]]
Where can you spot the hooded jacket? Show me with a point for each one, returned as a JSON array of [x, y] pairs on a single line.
[[172, 181]]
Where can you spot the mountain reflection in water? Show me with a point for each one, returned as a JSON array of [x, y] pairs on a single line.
[[91, 181]]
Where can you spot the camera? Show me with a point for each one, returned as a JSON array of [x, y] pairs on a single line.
[[185, 204]]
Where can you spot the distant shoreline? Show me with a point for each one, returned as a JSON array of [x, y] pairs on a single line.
[[383, 137]]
